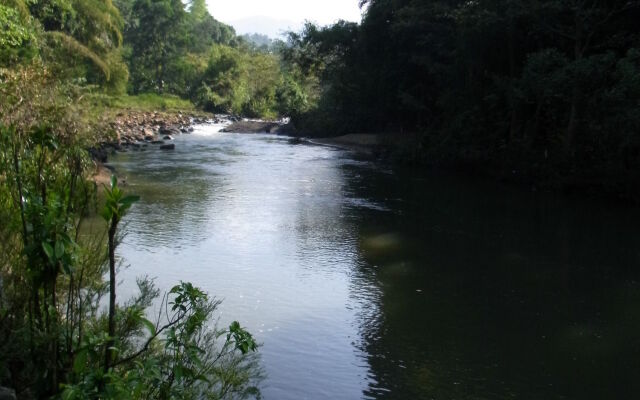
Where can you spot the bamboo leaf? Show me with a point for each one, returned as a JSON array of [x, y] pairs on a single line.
[[59, 249], [48, 250]]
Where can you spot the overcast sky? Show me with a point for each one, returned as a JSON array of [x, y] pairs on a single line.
[[271, 16]]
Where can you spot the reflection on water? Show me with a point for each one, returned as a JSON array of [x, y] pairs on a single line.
[[368, 283]]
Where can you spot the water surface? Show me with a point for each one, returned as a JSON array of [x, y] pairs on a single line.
[[365, 282]]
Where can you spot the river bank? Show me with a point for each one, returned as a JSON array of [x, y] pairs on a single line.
[[140, 130], [144, 130], [260, 126]]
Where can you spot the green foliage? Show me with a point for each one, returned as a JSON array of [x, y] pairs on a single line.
[[42, 163], [157, 37], [180, 359], [292, 100], [259, 42], [150, 102], [52, 285], [18, 37], [190, 54], [77, 39], [13, 32], [75, 49], [240, 82], [534, 87], [117, 203]]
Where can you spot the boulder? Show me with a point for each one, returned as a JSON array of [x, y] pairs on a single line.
[[167, 137], [99, 154], [158, 142], [168, 130]]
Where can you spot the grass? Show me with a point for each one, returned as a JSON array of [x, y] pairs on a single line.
[[101, 108], [152, 102], [101, 104]]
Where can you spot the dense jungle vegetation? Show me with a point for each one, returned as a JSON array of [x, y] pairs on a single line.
[[63, 334], [541, 91], [544, 90]]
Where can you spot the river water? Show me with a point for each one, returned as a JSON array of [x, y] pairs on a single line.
[[365, 282]]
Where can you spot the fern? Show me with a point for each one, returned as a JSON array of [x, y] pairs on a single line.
[[76, 48]]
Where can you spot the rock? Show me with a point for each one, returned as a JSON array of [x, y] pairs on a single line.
[[26, 394], [170, 146], [168, 130], [167, 137], [148, 138], [295, 140], [99, 154], [7, 394], [158, 142]]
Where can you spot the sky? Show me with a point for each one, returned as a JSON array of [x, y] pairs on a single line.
[[270, 17]]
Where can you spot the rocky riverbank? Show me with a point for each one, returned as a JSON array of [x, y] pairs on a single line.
[[142, 130], [367, 143], [260, 126], [136, 131]]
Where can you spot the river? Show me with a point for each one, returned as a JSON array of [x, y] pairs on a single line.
[[366, 282]]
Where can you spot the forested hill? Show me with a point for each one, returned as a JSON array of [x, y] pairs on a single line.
[[131, 47], [546, 87]]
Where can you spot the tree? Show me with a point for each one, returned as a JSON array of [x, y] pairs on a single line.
[[157, 37]]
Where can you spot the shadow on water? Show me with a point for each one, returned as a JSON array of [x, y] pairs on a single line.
[[489, 292]]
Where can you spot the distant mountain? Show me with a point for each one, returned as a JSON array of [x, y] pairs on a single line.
[[269, 26], [258, 40]]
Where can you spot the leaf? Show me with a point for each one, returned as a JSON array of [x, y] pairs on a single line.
[[66, 267], [149, 325], [106, 213], [127, 201], [114, 182], [48, 251], [59, 249], [80, 362], [75, 47]]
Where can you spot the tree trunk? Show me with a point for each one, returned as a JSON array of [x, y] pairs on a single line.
[[112, 293], [513, 124], [573, 118], [578, 52], [54, 342]]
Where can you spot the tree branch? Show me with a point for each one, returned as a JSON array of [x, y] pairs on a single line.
[[148, 342]]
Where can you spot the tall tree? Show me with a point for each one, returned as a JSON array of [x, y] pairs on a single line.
[[157, 37]]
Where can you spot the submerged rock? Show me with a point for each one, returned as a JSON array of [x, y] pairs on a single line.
[[169, 130], [170, 146], [7, 394]]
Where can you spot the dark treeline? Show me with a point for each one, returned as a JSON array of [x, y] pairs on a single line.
[[546, 88]]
